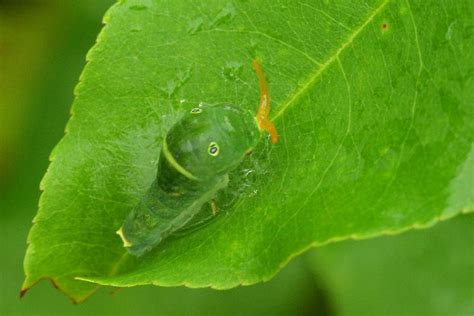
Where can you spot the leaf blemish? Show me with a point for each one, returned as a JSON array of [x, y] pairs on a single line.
[[226, 15], [195, 26], [384, 26], [232, 70], [182, 76]]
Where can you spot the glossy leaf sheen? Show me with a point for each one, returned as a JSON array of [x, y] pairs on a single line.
[[372, 101]]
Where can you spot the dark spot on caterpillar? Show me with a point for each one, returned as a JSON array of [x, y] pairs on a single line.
[[196, 111], [384, 26], [213, 149]]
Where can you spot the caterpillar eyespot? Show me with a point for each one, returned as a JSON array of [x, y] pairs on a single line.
[[213, 149], [188, 174], [196, 110]]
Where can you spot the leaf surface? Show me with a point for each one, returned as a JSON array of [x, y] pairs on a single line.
[[372, 101]]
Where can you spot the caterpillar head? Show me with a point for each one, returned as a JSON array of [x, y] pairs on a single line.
[[210, 140]]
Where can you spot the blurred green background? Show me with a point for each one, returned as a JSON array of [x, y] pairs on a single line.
[[42, 51]]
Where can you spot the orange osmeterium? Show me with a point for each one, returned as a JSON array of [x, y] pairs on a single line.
[[264, 108]]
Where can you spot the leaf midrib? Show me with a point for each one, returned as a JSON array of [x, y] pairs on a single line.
[[313, 77]]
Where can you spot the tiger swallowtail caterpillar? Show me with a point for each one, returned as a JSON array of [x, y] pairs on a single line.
[[197, 154]]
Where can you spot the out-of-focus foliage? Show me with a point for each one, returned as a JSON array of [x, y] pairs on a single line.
[[23, 50], [427, 272]]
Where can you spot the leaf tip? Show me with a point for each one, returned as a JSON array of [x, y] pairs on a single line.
[[23, 292]]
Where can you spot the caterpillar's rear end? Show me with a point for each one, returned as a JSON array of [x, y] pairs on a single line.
[[171, 201]]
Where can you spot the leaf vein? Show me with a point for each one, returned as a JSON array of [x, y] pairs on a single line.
[[319, 71]]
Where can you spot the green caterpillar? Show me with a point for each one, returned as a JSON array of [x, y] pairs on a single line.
[[197, 154]]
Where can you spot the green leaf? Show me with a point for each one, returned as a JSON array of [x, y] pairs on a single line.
[[419, 273], [373, 104]]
